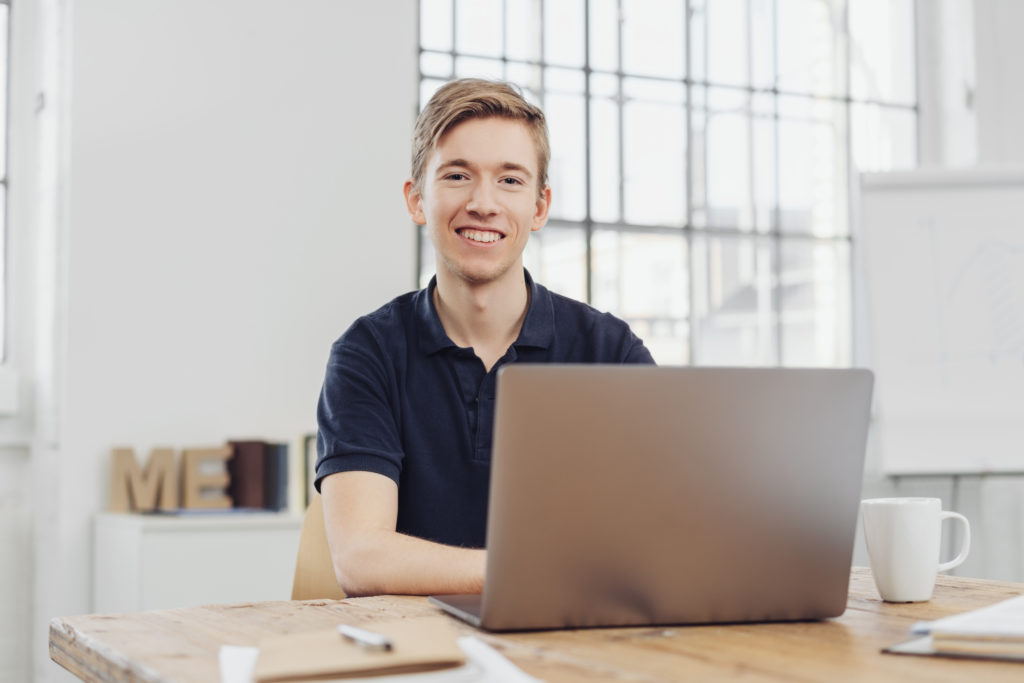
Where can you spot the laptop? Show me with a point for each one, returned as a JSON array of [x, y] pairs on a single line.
[[638, 495]]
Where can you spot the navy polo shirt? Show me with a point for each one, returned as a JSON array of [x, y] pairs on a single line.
[[401, 399]]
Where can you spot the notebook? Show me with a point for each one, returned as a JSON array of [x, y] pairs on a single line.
[[642, 495], [993, 632], [419, 645]]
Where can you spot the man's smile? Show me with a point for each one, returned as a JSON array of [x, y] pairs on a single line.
[[483, 236]]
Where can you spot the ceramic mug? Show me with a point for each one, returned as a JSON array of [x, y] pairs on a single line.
[[903, 536]]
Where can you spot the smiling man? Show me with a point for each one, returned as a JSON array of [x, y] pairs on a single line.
[[407, 407]]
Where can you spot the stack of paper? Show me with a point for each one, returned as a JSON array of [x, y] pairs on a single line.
[[996, 631]]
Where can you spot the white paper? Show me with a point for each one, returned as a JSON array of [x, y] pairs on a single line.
[[1002, 620], [496, 667], [237, 663]]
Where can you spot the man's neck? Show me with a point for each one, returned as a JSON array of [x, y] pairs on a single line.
[[487, 316]]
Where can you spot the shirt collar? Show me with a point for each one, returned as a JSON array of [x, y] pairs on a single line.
[[432, 337], [537, 330], [539, 326]]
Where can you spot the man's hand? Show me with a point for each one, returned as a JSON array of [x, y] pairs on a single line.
[[370, 557]]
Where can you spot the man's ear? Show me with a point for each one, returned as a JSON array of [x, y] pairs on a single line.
[[543, 206], [414, 202]]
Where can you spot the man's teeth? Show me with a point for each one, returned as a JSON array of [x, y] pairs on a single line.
[[481, 236]]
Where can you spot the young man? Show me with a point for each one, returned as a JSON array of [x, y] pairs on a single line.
[[406, 412]]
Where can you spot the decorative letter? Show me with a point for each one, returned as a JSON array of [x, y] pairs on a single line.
[[132, 490], [197, 482]]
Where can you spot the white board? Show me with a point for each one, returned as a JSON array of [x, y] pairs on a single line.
[[944, 269]]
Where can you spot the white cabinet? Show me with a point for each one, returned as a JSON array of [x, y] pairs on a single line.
[[144, 562]]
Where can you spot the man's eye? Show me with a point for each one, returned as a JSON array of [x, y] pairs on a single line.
[[511, 181], [455, 176]]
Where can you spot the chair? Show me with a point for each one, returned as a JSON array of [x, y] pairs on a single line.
[[314, 572]]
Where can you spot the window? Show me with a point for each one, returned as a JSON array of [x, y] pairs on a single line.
[[702, 155]]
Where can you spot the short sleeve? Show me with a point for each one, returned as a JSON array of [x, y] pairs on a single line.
[[618, 342], [357, 424], [638, 353]]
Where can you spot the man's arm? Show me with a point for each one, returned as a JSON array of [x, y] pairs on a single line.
[[370, 557]]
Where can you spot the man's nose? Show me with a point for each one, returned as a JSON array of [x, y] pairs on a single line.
[[482, 200]]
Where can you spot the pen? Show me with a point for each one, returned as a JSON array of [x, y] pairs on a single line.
[[364, 638]]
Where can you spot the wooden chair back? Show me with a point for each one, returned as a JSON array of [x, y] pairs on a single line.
[[314, 572]]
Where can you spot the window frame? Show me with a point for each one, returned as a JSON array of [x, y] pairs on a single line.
[[780, 238]]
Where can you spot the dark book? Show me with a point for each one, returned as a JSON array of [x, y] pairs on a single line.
[[309, 458], [277, 477], [248, 471]]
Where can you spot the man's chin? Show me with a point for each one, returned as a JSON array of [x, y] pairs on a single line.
[[480, 275]]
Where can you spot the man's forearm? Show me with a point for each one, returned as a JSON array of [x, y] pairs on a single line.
[[378, 562]]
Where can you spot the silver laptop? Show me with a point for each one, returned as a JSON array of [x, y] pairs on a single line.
[[641, 495]]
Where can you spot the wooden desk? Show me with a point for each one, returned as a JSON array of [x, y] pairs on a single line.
[[182, 644]]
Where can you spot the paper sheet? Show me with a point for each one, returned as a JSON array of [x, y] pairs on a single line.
[[1002, 620]]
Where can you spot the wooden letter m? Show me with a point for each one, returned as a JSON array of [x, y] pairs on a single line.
[[132, 490]]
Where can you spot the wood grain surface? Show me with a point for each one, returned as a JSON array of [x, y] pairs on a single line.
[[182, 644]]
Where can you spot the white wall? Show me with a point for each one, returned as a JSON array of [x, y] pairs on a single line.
[[999, 52], [15, 565], [223, 198]]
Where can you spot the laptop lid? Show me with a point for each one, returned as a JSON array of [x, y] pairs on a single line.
[[637, 495]]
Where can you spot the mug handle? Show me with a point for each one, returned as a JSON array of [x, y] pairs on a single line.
[[965, 546]]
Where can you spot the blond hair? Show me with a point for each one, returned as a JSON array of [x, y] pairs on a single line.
[[472, 98]]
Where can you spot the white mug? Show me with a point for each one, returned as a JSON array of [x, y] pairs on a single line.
[[903, 537]]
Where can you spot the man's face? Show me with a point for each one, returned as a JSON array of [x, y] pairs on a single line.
[[479, 198]]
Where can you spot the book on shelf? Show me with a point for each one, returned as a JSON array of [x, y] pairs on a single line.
[[276, 483], [309, 442], [297, 475], [302, 470], [247, 469]]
